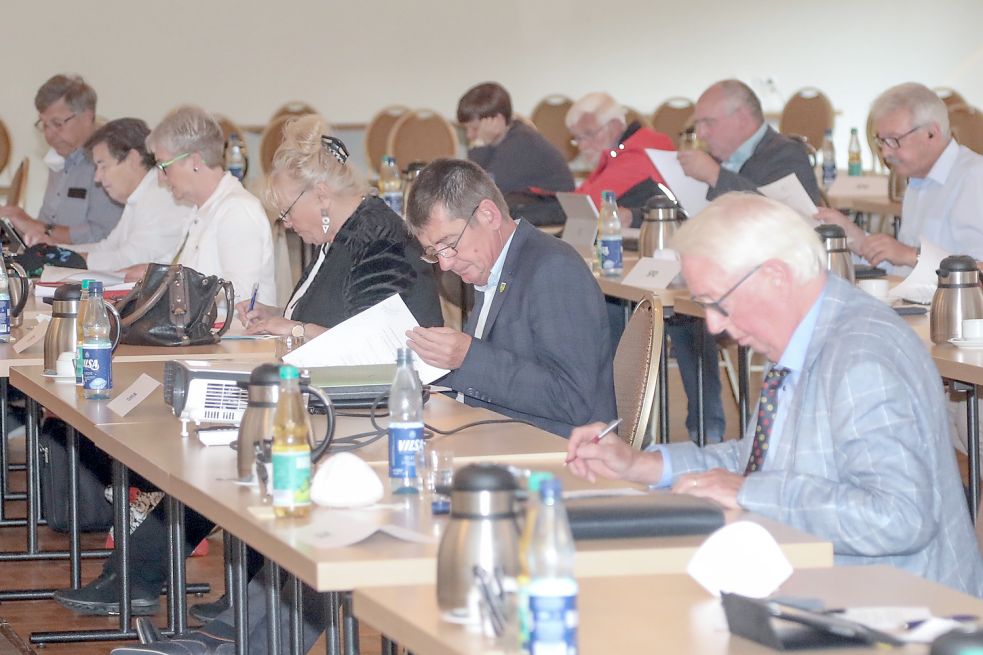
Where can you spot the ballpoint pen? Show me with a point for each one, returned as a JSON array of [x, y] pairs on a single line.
[[252, 298], [610, 427]]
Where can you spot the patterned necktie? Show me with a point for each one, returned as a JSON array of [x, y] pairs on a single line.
[[767, 408]]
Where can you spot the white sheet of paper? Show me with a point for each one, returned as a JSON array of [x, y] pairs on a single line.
[[223, 436], [691, 193], [33, 336], [62, 274], [859, 186], [652, 273], [371, 337], [790, 191], [133, 395], [920, 284], [741, 558]]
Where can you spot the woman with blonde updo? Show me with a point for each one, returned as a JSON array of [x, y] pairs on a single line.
[[365, 252]]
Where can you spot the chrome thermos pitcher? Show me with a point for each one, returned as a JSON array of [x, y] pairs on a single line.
[[660, 220], [838, 258], [957, 298], [61, 335]]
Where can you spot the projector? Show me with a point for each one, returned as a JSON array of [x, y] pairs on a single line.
[[206, 391]]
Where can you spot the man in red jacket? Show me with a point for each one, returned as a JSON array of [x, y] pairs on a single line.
[[616, 151]]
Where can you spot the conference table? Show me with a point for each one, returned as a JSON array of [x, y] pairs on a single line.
[[147, 440]]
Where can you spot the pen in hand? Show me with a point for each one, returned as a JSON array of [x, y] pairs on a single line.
[[609, 428], [252, 298]]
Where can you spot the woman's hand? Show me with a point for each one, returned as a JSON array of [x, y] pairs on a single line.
[[271, 325], [259, 312]]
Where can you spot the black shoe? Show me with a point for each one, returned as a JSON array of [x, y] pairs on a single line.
[[205, 612], [101, 597]]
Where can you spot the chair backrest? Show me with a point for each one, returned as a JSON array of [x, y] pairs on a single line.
[[550, 117], [950, 97], [809, 113], [672, 117], [422, 135], [293, 108], [270, 140], [966, 123], [4, 146], [632, 115], [636, 371], [17, 191], [377, 134]]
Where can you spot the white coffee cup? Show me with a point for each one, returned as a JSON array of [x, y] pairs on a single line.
[[877, 287], [973, 328], [65, 366]]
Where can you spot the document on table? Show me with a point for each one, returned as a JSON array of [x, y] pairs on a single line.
[[921, 283], [788, 190], [691, 193], [370, 337]]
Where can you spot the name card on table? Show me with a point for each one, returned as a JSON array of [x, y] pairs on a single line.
[[133, 395], [33, 336], [859, 186], [651, 273]]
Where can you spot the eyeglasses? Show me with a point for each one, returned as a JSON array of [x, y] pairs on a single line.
[[432, 255], [282, 216], [55, 123], [163, 165], [894, 142], [577, 140], [717, 305]]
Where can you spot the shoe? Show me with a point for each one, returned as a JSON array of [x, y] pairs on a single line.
[[101, 597], [205, 612]]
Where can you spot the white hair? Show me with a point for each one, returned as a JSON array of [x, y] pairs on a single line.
[[189, 129], [739, 231], [601, 106], [923, 104]]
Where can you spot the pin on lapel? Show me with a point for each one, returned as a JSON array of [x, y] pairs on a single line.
[[501, 287]]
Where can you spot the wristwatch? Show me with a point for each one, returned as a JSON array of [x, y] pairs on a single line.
[[298, 331]]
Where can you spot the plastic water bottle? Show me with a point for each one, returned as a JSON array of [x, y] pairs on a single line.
[[854, 164], [536, 479], [291, 449], [79, 337], [235, 160], [609, 236], [391, 184], [829, 160], [97, 349], [405, 425], [4, 303], [552, 590]]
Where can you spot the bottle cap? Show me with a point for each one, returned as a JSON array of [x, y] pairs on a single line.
[[288, 372], [86, 284], [95, 286], [550, 489], [607, 196], [536, 479]]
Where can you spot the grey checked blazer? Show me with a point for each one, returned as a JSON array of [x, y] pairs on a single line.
[[865, 459]]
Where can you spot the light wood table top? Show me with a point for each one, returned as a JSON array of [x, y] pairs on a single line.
[[658, 613], [867, 205]]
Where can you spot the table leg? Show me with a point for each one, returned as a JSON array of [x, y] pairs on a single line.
[[177, 602], [389, 647], [296, 615], [664, 389], [973, 449], [332, 638], [239, 602], [33, 482], [272, 607], [350, 624], [121, 534], [74, 537]]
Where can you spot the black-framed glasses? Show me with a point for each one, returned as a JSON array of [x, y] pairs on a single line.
[[717, 305], [432, 255], [54, 123], [162, 166], [336, 147], [282, 216], [894, 142], [578, 140]]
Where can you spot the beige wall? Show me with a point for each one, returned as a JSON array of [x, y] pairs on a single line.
[[348, 59]]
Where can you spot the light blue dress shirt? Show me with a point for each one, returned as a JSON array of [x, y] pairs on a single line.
[[744, 151]]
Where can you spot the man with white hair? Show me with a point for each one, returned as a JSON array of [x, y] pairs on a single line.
[[945, 182], [616, 151], [850, 441]]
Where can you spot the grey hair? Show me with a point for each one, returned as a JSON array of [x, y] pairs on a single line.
[[601, 106], [740, 94], [303, 158], [190, 129], [923, 104], [457, 185], [739, 231], [78, 95]]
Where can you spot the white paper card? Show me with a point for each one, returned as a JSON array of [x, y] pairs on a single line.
[[370, 337], [133, 395], [33, 336], [920, 284], [691, 193], [790, 191], [741, 558], [859, 186], [652, 273]]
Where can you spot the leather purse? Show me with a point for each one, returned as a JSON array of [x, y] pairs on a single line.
[[174, 305]]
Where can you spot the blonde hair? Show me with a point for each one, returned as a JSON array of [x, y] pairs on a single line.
[[303, 158], [739, 231], [190, 129]]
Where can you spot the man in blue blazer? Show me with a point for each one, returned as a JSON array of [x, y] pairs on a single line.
[[851, 438], [537, 344]]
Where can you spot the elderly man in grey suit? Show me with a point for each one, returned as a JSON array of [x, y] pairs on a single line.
[[850, 441], [536, 345]]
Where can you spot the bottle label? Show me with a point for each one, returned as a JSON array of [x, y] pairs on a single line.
[[4, 317], [79, 370], [291, 478], [553, 623], [237, 171], [97, 366], [829, 173], [395, 201], [611, 253], [404, 443], [854, 168]]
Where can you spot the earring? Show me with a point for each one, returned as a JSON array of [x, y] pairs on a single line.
[[195, 169], [325, 221]]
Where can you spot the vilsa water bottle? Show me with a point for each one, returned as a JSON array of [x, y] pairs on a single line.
[[405, 425], [97, 348]]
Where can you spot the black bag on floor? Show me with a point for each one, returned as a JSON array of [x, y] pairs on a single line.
[[95, 513]]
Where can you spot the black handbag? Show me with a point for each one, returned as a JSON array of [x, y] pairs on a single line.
[[174, 305]]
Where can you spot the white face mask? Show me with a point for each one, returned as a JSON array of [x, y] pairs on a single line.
[[54, 161]]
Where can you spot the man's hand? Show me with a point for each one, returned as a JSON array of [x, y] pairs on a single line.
[[699, 166], [15, 214], [32, 231], [608, 458], [880, 247], [442, 347], [134, 273], [718, 485]]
